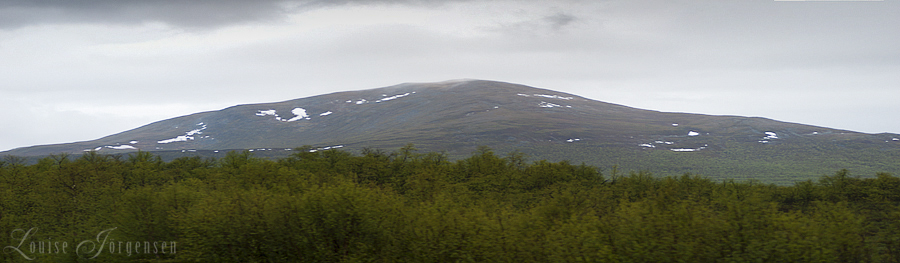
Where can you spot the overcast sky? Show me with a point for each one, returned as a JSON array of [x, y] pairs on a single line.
[[81, 70]]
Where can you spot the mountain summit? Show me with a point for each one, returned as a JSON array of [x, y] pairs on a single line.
[[444, 115], [457, 116]]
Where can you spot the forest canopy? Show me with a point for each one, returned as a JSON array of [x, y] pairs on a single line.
[[377, 206]]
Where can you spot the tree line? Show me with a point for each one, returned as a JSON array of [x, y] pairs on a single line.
[[378, 206]]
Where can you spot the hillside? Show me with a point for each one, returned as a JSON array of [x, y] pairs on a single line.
[[458, 116]]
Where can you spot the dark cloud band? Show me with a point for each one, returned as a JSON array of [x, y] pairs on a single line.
[[194, 13], [202, 13]]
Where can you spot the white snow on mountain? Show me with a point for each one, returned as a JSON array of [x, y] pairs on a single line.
[[122, 147], [299, 114], [263, 113], [266, 112], [190, 134], [552, 96], [326, 148], [326, 113], [180, 138], [546, 96], [693, 133], [689, 149], [114, 147], [684, 150], [545, 104], [197, 131], [772, 135], [393, 97]]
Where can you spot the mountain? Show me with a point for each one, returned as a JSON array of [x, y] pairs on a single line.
[[458, 116]]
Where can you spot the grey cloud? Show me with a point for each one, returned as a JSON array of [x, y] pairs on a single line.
[[195, 13], [202, 13], [344, 2], [560, 20]]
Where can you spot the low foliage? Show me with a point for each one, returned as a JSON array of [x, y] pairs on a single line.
[[334, 206]]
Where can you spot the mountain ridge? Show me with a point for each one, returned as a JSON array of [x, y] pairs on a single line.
[[459, 115]]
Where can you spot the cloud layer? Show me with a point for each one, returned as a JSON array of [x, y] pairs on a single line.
[[79, 72], [191, 14]]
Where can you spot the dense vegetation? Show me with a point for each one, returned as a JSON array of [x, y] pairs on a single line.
[[780, 163], [331, 206]]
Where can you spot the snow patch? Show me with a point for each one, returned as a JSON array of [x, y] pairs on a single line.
[[553, 96], [361, 101], [122, 147], [181, 138], [687, 149], [266, 113], [684, 150], [133, 142], [647, 145], [573, 140], [546, 96], [545, 104], [326, 148], [299, 114], [895, 139], [392, 97], [114, 147], [188, 135], [770, 136], [197, 131], [693, 133], [326, 113], [675, 124]]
